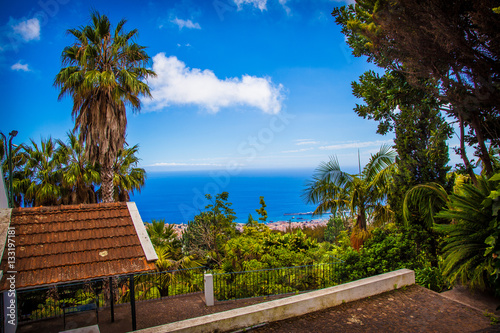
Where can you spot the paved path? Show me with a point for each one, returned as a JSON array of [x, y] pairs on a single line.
[[414, 309]]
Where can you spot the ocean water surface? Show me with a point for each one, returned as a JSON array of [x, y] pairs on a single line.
[[178, 196]]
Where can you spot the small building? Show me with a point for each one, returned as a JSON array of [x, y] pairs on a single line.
[[48, 245]]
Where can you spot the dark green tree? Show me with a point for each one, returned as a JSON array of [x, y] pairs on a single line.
[[333, 228], [206, 235], [453, 45], [262, 210]]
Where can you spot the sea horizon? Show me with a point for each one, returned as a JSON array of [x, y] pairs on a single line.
[[177, 196]]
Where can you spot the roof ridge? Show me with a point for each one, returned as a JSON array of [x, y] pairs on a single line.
[[65, 208]]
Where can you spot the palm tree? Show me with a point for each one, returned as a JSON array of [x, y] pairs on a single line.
[[364, 194], [41, 182], [127, 176], [162, 235], [105, 72], [19, 159], [78, 175]]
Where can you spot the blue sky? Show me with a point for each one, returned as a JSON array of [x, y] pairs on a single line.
[[242, 84]]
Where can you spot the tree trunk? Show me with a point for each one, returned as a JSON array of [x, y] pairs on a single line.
[[463, 154], [485, 155], [107, 188], [361, 220]]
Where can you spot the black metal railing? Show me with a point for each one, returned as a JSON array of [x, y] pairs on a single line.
[[267, 282], [50, 301]]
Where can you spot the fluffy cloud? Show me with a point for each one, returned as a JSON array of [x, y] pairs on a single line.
[[177, 84], [28, 30], [185, 24], [261, 4], [20, 67]]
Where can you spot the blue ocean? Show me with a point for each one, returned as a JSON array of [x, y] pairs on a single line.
[[177, 197]]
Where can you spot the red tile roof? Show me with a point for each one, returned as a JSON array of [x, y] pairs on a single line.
[[77, 242]]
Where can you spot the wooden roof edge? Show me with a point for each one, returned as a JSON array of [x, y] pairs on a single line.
[[76, 281], [146, 244]]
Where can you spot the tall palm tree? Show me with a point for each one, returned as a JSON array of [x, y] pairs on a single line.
[[127, 176], [78, 175], [104, 72], [363, 194]]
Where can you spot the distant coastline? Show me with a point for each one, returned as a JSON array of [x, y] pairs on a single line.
[[283, 226]]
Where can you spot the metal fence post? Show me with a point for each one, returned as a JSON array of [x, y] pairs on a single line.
[[132, 301], [112, 299], [209, 289]]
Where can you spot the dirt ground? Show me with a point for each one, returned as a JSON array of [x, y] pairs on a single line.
[[413, 309]]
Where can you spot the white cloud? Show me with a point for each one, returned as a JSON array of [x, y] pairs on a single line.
[[261, 4], [185, 24], [297, 150], [177, 84], [20, 67], [28, 30], [301, 142], [285, 7], [350, 145]]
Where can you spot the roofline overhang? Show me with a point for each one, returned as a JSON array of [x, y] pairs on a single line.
[[147, 246]]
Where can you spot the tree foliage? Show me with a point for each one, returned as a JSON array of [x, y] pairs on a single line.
[[54, 172], [364, 194], [450, 50], [206, 235]]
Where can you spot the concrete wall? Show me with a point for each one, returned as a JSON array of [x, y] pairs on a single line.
[[291, 306], [4, 203]]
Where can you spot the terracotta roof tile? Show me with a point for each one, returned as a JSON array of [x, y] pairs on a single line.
[[75, 242]]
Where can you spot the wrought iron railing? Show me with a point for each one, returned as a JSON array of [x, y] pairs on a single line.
[[50, 301], [267, 282]]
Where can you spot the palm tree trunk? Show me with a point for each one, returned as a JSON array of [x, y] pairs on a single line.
[[361, 219], [107, 189]]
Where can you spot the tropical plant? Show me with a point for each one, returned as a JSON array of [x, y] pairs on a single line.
[[471, 212], [472, 215], [161, 234], [127, 176], [19, 158], [42, 177], [79, 177], [364, 194], [104, 72]]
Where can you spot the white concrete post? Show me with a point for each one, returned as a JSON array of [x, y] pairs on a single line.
[[209, 289]]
